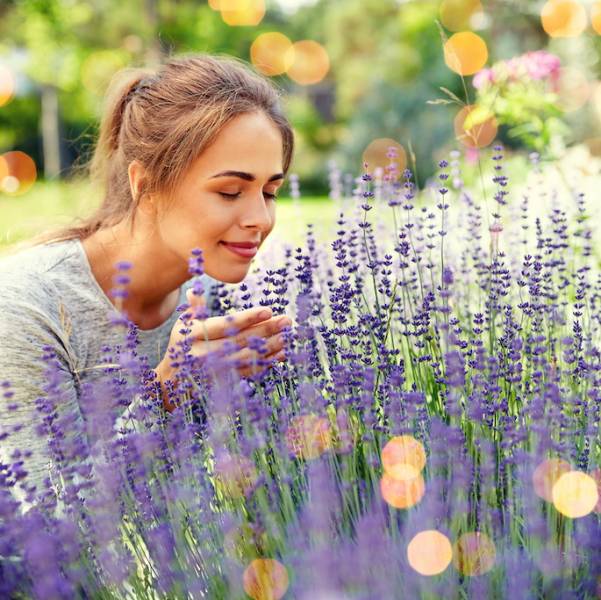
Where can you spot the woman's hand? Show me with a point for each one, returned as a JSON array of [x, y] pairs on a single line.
[[209, 335]]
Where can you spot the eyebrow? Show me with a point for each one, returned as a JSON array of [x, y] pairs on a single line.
[[246, 176]]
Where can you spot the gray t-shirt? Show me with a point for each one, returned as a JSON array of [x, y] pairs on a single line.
[[50, 297]]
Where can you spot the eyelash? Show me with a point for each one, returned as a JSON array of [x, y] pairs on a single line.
[[234, 196]]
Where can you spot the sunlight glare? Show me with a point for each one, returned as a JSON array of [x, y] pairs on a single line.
[[265, 579], [563, 18], [456, 15], [270, 54], [242, 13], [474, 554], [575, 494], [22, 173], [310, 62], [376, 155], [475, 126], [429, 552], [546, 474], [402, 493], [465, 53]]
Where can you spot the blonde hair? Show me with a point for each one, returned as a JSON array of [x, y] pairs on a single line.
[[164, 118]]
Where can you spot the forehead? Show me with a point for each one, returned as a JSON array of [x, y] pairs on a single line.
[[249, 142]]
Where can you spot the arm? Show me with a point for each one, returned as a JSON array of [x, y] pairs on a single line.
[[25, 330]]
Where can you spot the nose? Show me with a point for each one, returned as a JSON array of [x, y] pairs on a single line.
[[258, 215]]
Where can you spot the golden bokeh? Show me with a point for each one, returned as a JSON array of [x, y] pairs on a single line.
[[474, 553], [402, 493], [265, 579], [596, 475], [376, 155], [430, 552], [574, 89], [269, 53], [475, 126], [310, 62], [4, 171], [596, 17], [546, 475], [403, 457], [242, 13], [456, 15], [575, 494], [7, 85], [465, 53], [308, 436], [563, 18], [235, 475], [19, 173]]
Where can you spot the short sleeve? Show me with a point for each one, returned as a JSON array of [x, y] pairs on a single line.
[[29, 334]]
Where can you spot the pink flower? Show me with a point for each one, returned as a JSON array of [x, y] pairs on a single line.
[[483, 78]]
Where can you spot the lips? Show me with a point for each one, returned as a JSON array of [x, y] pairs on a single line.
[[242, 244], [243, 249]]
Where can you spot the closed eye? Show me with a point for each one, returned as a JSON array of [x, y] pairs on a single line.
[[233, 196]]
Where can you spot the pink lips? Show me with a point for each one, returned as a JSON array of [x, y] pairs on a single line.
[[245, 249]]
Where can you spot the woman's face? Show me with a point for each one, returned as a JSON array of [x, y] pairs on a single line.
[[227, 197]]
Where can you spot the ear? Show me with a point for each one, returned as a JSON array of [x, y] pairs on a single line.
[[136, 174]]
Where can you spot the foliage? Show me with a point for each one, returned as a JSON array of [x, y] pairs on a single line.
[[523, 94]]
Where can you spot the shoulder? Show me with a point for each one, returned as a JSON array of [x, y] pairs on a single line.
[[39, 259], [28, 294]]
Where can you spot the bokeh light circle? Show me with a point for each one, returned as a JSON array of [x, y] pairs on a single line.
[[475, 126], [465, 53], [4, 172], [269, 53], [546, 474], [429, 552], [376, 155], [265, 579], [403, 457], [596, 17], [17, 167], [596, 475], [402, 493], [563, 18], [310, 62], [235, 475], [7, 85], [308, 436], [474, 553], [242, 13], [575, 494], [456, 15]]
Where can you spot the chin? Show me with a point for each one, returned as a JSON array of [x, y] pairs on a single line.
[[228, 277], [234, 279]]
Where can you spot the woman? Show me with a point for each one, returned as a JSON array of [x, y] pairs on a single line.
[[191, 156]]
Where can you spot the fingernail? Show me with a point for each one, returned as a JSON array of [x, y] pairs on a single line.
[[285, 322], [264, 314]]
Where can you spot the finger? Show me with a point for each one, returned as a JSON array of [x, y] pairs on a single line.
[[272, 327], [221, 327], [197, 303]]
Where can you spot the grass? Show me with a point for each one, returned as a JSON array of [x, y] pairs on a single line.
[[49, 204]]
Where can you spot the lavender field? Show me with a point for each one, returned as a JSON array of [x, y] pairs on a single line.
[[433, 433]]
